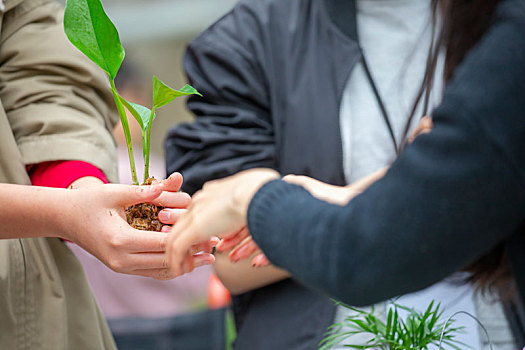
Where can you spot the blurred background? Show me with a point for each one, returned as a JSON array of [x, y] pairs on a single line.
[[188, 312]]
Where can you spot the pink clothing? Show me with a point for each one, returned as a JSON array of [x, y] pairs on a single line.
[[62, 173]]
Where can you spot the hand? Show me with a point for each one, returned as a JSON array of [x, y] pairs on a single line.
[[95, 220], [340, 195], [424, 127], [220, 208], [244, 246]]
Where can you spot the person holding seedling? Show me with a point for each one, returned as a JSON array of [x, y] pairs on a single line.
[[56, 119], [449, 198]]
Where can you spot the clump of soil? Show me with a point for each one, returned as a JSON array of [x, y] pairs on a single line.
[[144, 216]]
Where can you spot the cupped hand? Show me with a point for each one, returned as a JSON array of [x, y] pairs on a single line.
[[219, 209], [241, 246], [96, 221]]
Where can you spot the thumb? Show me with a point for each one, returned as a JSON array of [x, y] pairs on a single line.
[[128, 195], [172, 183]]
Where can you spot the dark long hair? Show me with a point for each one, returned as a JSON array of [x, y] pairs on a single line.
[[463, 23]]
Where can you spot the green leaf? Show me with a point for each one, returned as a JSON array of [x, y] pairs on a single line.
[[142, 114], [163, 94], [89, 28]]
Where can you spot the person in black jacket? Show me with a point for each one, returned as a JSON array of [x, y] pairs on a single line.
[[259, 109], [451, 198]]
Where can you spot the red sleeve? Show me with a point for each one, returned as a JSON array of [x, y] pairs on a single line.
[[61, 174]]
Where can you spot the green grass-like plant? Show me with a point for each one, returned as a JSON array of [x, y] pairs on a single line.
[[418, 330], [89, 28]]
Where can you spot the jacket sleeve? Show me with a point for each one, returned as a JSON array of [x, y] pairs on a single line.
[[58, 103], [449, 198], [233, 129]]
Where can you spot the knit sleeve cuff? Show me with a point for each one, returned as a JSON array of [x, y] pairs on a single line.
[[265, 206]]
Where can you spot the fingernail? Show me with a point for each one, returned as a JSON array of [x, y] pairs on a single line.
[[256, 262], [259, 261], [234, 256], [203, 259], [219, 246], [164, 215], [240, 251]]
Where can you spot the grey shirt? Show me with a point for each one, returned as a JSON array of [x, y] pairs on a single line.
[[395, 36]]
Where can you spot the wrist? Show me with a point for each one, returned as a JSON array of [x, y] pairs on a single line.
[[55, 212], [86, 181], [250, 182]]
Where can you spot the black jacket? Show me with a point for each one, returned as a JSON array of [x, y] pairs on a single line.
[[272, 73], [452, 195]]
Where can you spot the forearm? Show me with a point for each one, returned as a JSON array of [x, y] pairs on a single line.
[[31, 211], [241, 277], [428, 217]]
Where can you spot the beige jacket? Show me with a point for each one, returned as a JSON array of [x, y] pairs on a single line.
[[55, 105]]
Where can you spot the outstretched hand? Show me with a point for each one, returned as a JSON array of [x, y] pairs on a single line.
[[219, 209]]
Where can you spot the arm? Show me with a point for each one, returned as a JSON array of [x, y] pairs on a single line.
[[35, 211], [58, 108], [94, 218], [449, 198], [241, 277]]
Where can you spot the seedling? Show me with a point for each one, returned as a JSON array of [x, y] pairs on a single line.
[[418, 331], [89, 28]]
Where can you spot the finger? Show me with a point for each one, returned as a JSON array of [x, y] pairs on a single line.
[[231, 241], [170, 216], [158, 274], [295, 179], [177, 250], [165, 229], [244, 250], [260, 260], [426, 122], [202, 259], [206, 246], [425, 131], [172, 183], [144, 241], [124, 195], [172, 199], [425, 126], [145, 261], [192, 261], [187, 265]]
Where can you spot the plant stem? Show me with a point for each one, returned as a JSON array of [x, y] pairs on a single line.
[[125, 127], [147, 145]]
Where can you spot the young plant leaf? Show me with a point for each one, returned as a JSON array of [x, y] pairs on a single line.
[[89, 28], [140, 113], [163, 94]]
